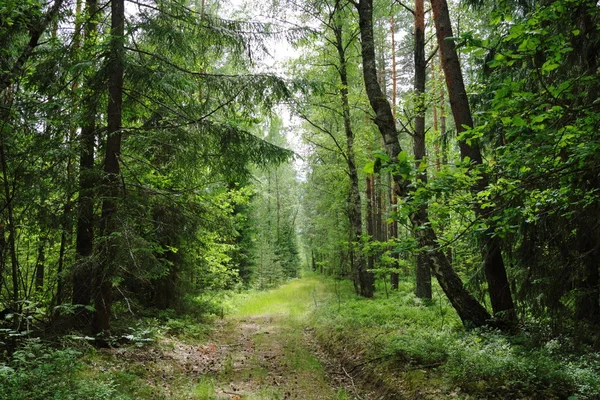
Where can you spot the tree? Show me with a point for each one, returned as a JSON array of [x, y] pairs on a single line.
[[87, 178], [469, 310], [109, 222], [495, 271], [423, 273], [365, 277]]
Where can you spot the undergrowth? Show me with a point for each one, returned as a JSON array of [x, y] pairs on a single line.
[[38, 372], [423, 347], [68, 367]]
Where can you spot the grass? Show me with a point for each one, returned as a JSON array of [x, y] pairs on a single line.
[[293, 299], [423, 348], [396, 341]]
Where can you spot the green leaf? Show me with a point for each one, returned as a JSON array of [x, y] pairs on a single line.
[[518, 121], [369, 168], [402, 157]]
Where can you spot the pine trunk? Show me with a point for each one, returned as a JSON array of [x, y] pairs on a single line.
[[84, 241], [423, 271], [469, 310], [495, 271]]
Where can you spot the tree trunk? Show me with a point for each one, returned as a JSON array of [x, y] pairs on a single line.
[[438, 138], [495, 271], [393, 227], [84, 242], [469, 310], [366, 279], [354, 202], [40, 265], [587, 301], [423, 271], [11, 222], [105, 271]]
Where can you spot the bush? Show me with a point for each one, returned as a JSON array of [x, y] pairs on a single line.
[[38, 372]]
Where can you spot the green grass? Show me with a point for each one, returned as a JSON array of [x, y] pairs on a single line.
[[423, 347], [205, 389], [292, 299]]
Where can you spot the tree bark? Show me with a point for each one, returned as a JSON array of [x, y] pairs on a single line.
[[495, 271], [84, 242], [393, 227], [354, 212], [423, 271], [366, 279], [469, 310], [105, 270], [11, 222]]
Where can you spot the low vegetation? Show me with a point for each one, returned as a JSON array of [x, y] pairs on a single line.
[[421, 349]]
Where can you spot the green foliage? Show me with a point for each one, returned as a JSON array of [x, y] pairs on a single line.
[[406, 335], [38, 372]]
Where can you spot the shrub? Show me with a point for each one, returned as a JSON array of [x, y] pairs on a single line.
[[38, 372]]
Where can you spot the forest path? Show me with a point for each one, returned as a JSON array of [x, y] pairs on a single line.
[[266, 350]]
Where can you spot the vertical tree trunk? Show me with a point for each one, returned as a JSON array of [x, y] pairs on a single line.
[[438, 165], [11, 222], [105, 271], [359, 267], [367, 281], [395, 277], [423, 271], [84, 241], [495, 271], [587, 301], [40, 265], [467, 307], [2, 253], [443, 132]]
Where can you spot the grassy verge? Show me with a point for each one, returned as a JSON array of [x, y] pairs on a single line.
[[422, 351]]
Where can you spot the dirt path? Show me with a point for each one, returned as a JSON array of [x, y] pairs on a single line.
[[266, 350]]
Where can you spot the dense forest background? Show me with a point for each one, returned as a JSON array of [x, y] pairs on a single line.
[[154, 156]]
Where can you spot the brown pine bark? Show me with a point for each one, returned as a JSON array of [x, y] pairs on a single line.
[[109, 223], [469, 310], [423, 272], [495, 271]]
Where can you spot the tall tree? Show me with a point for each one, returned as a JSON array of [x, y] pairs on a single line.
[[109, 221], [365, 277], [495, 271], [470, 311], [85, 210], [423, 273]]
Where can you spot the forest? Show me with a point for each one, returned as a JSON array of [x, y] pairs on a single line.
[[312, 199]]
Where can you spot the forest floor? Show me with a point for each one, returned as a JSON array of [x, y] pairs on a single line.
[[265, 350]]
